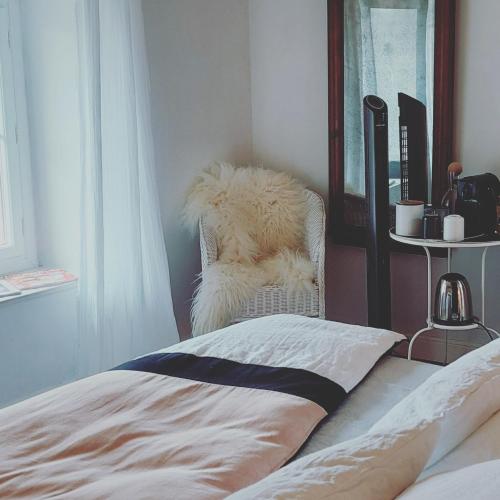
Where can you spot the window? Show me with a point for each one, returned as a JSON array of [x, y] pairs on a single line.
[[17, 245]]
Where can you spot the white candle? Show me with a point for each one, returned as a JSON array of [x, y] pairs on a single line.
[[453, 228]]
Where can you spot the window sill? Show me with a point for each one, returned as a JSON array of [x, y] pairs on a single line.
[[36, 292]]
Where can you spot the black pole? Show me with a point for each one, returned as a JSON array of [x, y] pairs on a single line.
[[377, 197]]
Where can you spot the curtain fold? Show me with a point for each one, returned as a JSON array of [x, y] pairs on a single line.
[[359, 81], [125, 300]]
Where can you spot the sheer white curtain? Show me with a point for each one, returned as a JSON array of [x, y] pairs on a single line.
[[359, 81], [125, 301]]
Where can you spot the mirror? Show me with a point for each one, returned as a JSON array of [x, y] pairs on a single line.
[[386, 47]]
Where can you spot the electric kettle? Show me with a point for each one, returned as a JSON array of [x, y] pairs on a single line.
[[453, 302]]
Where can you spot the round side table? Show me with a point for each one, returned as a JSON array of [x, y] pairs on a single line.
[[450, 245]]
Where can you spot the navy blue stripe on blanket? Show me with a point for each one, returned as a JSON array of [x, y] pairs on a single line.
[[294, 381]]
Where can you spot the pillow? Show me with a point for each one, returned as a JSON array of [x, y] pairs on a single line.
[[340, 352], [418, 431], [455, 400], [482, 445], [479, 481]]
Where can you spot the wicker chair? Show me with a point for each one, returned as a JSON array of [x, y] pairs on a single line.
[[273, 299]]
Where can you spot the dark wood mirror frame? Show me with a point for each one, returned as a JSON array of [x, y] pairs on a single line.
[[444, 55]]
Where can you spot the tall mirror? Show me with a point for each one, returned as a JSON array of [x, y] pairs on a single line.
[[401, 51]]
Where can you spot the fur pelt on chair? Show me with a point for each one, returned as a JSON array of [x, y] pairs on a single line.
[[257, 216]]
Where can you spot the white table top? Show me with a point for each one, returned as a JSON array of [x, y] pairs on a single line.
[[422, 242]]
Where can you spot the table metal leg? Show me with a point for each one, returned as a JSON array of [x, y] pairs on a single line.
[[483, 280], [429, 303], [429, 286], [410, 347]]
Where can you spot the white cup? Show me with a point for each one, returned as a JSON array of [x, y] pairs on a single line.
[[453, 228], [409, 215]]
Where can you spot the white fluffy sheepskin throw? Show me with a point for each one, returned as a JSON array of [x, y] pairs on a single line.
[[257, 216]]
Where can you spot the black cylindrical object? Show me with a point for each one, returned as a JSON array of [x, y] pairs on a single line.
[[432, 227], [377, 198]]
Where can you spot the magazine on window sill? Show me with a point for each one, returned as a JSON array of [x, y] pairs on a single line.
[[38, 278]]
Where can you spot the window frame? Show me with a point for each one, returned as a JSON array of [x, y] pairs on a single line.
[[21, 254]]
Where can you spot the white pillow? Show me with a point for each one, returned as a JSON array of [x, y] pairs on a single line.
[[454, 401], [419, 430], [340, 352]]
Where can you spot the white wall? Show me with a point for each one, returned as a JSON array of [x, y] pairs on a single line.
[[289, 67], [38, 339], [199, 59], [211, 79], [477, 112], [477, 103]]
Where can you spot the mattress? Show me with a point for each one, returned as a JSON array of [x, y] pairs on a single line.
[[388, 383]]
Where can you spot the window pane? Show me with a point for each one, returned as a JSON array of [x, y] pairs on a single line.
[[2, 110], [4, 240], [5, 218]]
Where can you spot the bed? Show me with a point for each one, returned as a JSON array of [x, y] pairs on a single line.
[[212, 416], [201, 419]]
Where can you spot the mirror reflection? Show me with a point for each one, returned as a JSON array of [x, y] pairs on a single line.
[[388, 50]]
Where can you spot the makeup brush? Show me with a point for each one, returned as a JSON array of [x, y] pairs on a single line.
[[455, 168], [450, 197]]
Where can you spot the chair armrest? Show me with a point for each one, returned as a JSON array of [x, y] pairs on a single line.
[[315, 229], [315, 233], [208, 245]]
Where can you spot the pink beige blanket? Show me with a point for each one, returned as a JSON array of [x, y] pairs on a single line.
[[199, 420]]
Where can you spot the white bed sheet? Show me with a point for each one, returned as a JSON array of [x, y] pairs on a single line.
[[388, 383]]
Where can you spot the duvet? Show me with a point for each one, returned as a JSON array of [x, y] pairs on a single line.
[[201, 419]]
